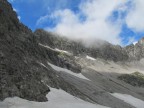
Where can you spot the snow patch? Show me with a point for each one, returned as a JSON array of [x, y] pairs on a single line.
[[42, 65], [46, 46], [56, 49], [90, 58], [130, 100], [57, 99], [134, 43], [79, 75], [63, 51]]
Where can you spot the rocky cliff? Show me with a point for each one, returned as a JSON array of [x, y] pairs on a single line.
[[136, 52], [19, 59], [22, 61]]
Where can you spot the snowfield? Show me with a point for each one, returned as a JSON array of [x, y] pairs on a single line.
[[79, 75], [57, 99], [130, 99]]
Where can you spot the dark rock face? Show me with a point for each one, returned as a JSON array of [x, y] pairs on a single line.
[[24, 71], [19, 70]]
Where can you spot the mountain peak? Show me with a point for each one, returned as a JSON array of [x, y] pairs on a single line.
[[141, 41]]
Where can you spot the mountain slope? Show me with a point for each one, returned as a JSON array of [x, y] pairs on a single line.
[[32, 63], [101, 49], [22, 60]]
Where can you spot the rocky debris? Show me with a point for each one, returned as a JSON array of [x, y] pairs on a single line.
[[97, 89], [134, 79]]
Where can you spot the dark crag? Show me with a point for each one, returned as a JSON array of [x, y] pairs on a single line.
[[17, 65], [21, 71]]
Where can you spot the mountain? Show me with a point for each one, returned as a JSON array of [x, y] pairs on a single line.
[[105, 51], [33, 65], [136, 52], [21, 61]]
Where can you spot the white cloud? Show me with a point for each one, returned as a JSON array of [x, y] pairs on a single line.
[[42, 19], [96, 25], [135, 18], [51, 6]]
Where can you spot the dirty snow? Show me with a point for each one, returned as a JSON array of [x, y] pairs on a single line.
[[90, 58], [130, 99], [79, 75], [57, 99]]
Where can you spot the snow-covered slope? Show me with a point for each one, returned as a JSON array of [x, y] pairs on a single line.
[[79, 75], [130, 99], [57, 99]]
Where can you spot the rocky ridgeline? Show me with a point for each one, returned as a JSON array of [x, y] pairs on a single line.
[[105, 51]]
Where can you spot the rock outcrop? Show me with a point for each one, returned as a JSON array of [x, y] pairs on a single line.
[[136, 52]]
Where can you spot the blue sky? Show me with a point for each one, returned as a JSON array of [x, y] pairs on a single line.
[[116, 21], [31, 10]]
